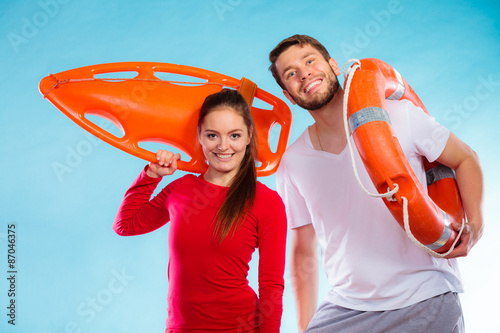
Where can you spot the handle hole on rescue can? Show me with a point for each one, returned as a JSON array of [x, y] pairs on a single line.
[[154, 146], [105, 124], [180, 79], [274, 137], [113, 76]]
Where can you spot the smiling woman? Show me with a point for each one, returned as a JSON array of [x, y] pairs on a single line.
[[224, 143], [228, 137], [227, 134], [217, 220]]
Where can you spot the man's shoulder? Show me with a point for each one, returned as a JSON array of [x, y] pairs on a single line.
[[294, 154], [297, 147], [401, 105]]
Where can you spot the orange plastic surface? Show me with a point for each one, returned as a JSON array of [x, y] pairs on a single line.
[[386, 163], [148, 109]]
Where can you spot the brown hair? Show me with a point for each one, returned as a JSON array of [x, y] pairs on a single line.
[[300, 40], [241, 194]]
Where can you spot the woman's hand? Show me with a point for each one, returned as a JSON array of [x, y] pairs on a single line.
[[166, 164]]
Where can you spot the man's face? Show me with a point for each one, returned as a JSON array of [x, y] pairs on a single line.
[[309, 79]]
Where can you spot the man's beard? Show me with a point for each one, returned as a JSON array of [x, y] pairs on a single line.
[[323, 99]]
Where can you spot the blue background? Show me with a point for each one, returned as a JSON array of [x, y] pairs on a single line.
[[74, 273]]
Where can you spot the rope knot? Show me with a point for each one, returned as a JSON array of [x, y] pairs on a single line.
[[389, 195]]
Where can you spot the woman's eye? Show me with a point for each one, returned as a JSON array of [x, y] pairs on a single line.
[[211, 136], [235, 135]]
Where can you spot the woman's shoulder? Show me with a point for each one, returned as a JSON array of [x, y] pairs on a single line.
[[269, 207], [188, 180], [263, 188], [267, 195]]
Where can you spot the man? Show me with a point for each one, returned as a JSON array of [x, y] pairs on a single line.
[[380, 281]]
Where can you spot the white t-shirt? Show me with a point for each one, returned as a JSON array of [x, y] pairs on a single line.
[[370, 263]]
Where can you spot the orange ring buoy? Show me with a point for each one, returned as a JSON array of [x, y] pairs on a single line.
[[146, 108], [430, 214]]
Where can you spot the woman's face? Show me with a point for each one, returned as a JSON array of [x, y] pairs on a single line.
[[224, 138]]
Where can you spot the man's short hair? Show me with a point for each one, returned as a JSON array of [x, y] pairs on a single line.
[[300, 40]]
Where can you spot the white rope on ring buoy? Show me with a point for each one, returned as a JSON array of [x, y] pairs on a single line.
[[417, 242], [389, 195]]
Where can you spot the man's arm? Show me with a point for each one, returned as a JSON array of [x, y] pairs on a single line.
[[461, 158], [304, 273]]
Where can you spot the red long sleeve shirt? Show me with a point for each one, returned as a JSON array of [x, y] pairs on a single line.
[[208, 286]]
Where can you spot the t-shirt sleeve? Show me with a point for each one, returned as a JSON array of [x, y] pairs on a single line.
[[272, 248], [296, 207], [429, 136], [137, 214]]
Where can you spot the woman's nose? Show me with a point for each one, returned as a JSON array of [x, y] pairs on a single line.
[[223, 145]]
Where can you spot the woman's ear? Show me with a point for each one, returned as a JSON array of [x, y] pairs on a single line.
[[250, 134], [198, 135]]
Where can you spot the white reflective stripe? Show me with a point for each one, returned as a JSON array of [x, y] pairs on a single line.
[[367, 115], [400, 91], [444, 236]]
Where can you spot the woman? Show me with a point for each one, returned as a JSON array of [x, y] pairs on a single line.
[[216, 221]]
